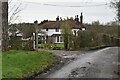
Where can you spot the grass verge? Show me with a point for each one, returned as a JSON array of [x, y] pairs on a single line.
[[95, 47], [51, 46], [20, 64], [0, 65]]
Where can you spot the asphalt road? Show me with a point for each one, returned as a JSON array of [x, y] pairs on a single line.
[[98, 64]]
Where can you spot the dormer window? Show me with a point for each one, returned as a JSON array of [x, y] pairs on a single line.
[[47, 29], [57, 30]]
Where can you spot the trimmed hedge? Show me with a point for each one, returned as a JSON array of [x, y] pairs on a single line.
[[88, 39], [110, 40], [21, 45]]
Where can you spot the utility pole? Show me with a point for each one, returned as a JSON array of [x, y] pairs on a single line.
[[1, 26], [4, 24], [36, 37], [3, 30]]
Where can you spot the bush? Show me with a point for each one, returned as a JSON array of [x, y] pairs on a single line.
[[21, 45], [110, 40], [88, 39]]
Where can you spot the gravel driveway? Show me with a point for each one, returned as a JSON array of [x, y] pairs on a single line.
[[101, 63], [98, 64]]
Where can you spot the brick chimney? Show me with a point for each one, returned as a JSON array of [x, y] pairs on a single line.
[[60, 18], [81, 19], [57, 19], [77, 19]]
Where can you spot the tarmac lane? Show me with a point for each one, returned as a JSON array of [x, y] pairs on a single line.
[[102, 63]]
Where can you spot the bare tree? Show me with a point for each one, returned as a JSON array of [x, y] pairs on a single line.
[[4, 21], [14, 10], [116, 5]]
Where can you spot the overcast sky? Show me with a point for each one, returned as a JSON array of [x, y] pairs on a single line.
[[50, 9]]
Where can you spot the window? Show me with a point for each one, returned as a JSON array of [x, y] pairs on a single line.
[[47, 37], [57, 38], [57, 30], [61, 39], [47, 29]]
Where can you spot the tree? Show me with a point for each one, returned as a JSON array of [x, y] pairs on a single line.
[[13, 31], [14, 10], [96, 23], [44, 21], [4, 20], [111, 23], [24, 29], [116, 4], [67, 34]]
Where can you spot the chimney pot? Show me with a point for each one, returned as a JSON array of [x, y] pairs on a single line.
[[57, 19], [60, 18]]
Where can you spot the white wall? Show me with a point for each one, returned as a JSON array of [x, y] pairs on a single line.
[[55, 39], [50, 32]]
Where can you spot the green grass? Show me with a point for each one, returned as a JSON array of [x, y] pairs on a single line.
[[0, 65], [19, 64], [94, 47], [51, 45], [59, 45]]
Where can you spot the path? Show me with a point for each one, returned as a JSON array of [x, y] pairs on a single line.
[[99, 64]]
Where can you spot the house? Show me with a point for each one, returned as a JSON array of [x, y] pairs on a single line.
[[52, 30], [16, 33]]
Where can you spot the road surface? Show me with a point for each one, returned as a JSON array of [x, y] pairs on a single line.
[[98, 64]]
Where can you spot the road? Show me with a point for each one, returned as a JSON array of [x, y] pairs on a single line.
[[102, 63]]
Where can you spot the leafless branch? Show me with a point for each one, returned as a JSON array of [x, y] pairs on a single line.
[[9, 2], [14, 11]]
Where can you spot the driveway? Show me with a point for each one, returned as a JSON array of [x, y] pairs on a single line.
[[101, 63]]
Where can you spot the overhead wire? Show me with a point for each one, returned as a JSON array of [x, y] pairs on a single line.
[[48, 4]]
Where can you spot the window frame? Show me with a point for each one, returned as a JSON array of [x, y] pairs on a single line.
[[61, 39], [56, 30], [46, 29], [58, 39]]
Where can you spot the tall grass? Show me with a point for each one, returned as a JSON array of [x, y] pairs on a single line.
[[19, 64]]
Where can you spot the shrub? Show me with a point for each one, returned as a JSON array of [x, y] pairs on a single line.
[[88, 39], [21, 45]]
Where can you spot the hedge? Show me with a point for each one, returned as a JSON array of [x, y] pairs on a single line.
[[21, 45]]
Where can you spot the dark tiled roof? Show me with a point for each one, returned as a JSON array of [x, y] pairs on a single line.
[[58, 24]]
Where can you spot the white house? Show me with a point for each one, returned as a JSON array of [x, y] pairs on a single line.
[[52, 30]]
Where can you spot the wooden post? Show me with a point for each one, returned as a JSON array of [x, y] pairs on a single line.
[[4, 24], [0, 25], [36, 39], [3, 30], [0, 40]]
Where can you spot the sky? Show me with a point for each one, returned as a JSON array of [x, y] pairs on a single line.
[[40, 10]]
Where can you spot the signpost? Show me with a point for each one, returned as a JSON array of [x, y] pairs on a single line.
[[36, 34]]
